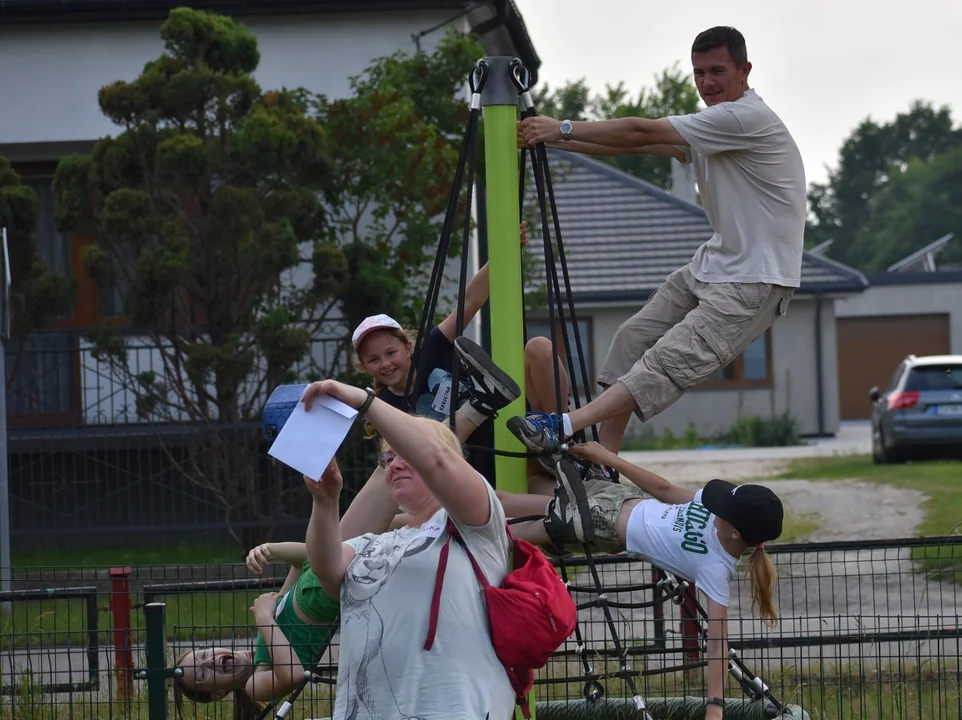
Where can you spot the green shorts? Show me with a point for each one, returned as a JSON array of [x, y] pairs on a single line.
[[307, 641]]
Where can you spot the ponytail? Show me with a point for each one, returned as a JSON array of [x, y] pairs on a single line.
[[763, 576]]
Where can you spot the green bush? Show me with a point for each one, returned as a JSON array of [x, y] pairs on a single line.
[[756, 431]]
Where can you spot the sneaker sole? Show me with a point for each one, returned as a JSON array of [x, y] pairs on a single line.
[[571, 481], [480, 363], [517, 426]]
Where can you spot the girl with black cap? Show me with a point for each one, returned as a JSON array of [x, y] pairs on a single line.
[[697, 535]]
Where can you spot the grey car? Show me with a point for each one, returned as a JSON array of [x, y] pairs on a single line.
[[919, 413]]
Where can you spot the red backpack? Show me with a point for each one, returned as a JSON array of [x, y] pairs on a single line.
[[530, 614]]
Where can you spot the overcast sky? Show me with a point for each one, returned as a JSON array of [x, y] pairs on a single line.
[[822, 65]]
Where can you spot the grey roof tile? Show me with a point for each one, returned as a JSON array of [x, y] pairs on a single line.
[[622, 236]]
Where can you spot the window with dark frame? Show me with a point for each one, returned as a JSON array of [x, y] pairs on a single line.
[[43, 373], [750, 369]]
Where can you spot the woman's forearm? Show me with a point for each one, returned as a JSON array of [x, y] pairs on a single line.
[[455, 484], [325, 551]]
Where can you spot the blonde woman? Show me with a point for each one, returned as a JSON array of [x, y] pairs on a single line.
[[385, 581], [697, 535]]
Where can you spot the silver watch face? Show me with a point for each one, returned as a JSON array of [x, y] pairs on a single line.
[[566, 128]]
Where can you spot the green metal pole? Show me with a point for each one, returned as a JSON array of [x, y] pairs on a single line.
[[154, 619], [499, 102]]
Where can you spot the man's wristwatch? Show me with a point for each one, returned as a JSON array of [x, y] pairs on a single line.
[[566, 128], [365, 406], [716, 701]]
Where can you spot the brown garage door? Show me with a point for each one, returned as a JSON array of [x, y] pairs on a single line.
[[870, 348]]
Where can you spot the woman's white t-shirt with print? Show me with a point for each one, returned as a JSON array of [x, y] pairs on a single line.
[[384, 672], [683, 540]]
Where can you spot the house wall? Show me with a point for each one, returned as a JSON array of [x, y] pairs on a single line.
[[910, 299], [60, 68], [793, 368]]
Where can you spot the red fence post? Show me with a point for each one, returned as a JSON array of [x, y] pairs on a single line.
[[690, 638], [120, 609]]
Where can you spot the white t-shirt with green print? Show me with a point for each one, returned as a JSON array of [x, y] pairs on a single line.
[[682, 539]]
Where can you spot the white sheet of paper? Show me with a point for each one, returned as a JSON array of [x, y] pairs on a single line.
[[308, 440]]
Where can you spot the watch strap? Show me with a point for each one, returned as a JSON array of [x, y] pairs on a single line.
[[365, 406]]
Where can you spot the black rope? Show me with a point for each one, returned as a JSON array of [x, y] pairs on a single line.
[[434, 286]]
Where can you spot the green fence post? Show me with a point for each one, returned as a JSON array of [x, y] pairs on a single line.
[[155, 620]]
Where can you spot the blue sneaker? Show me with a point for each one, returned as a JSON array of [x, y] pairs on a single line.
[[540, 432]]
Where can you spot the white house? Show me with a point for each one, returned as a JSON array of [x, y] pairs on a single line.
[[58, 55], [623, 236]]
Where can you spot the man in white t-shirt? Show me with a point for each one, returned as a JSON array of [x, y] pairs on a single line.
[[752, 185]]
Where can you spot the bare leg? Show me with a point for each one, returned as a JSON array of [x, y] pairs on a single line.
[[520, 505], [541, 396], [539, 382], [614, 406], [464, 423]]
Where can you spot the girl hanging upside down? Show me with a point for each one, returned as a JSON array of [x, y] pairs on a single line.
[[697, 535], [294, 625]]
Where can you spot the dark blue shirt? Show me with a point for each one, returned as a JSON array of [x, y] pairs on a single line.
[[432, 392]]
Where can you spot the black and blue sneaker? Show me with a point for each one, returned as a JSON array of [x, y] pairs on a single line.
[[540, 432]]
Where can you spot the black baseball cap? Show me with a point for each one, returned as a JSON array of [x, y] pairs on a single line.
[[754, 511]]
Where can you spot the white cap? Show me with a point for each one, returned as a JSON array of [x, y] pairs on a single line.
[[374, 322]]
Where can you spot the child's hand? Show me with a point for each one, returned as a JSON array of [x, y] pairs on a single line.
[[259, 558], [593, 452], [264, 605], [524, 233]]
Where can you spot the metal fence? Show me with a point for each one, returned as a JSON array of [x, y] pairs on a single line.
[[85, 472], [867, 630]]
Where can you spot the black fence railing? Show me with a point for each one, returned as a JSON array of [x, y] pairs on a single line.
[[866, 630], [88, 474]]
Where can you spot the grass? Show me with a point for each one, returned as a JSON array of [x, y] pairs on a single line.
[[194, 616], [897, 693], [798, 527], [939, 481], [182, 554]]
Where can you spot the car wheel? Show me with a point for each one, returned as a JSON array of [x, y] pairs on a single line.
[[882, 455]]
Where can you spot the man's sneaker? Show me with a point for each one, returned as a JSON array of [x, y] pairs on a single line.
[[489, 387], [540, 432], [569, 515]]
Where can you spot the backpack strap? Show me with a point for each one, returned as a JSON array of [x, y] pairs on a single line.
[[439, 579]]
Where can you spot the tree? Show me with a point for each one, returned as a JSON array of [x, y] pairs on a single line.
[[914, 208], [394, 150], [238, 223], [38, 296], [870, 158], [673, 93]]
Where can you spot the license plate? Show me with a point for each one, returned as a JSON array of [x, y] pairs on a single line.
[[952, 410]]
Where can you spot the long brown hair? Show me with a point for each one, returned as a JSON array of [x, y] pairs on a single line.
[[407, 336], [244, 707], [762, 571]]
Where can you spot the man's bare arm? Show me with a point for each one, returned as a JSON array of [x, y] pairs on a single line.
[[586, 148]]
